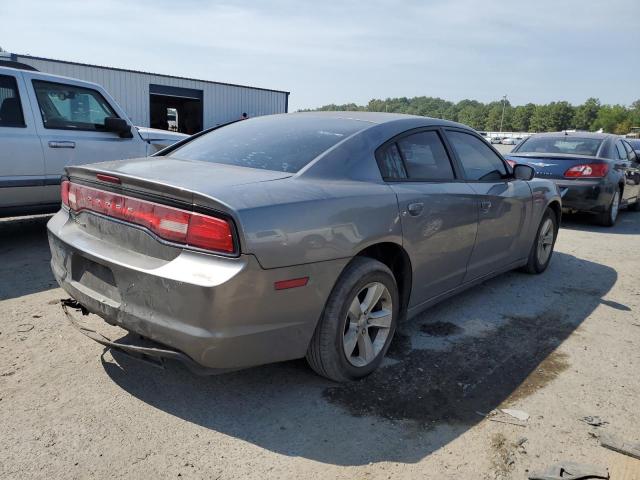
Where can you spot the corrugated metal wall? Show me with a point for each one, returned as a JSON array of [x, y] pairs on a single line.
[[221, 103]]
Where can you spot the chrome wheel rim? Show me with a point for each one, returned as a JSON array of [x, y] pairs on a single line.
[[545, 241], [615, 206], [368, 324]]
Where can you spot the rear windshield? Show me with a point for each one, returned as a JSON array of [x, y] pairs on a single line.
[[284, 143], [561, 144]]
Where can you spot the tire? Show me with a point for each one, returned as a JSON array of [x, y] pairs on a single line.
[[343, 322], [546, 235], [608, 218]]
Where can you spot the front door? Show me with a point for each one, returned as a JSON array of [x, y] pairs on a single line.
[[71, 127], [503, 205], [438, 211], [21, 157]]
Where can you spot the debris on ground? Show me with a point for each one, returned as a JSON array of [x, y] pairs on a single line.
[[519, 414], [571, 470], [25, 327], [594, 421], [620, 446]]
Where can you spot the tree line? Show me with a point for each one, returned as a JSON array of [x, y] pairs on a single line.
[[550, 117]]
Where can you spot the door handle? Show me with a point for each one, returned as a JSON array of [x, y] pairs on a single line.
[[415, 209], [485, 206], [62, 144]]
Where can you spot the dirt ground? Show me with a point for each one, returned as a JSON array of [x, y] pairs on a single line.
[[560, 347]]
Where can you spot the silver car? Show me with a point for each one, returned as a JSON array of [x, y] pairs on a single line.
[[305, 234]]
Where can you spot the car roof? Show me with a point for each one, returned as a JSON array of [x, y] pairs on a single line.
[[380, 117]]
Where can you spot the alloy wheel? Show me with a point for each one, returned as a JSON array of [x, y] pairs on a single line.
[[545, 241], [615, 206], [368, 324]]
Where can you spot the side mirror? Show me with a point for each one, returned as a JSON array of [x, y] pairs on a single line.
[[119, 126], [523, 172]]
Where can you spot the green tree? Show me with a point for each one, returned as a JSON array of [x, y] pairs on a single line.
[[586, 114], [613, 119], [522, 117], [560, 116]]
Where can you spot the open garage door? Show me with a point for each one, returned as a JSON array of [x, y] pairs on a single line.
[[174, 108]]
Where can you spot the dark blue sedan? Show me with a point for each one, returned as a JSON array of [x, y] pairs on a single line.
[[597, 173]]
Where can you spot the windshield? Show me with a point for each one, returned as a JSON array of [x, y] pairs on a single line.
[[284, 143], [561, 144]]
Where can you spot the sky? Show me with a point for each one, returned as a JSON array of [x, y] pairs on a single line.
[[352, 51]]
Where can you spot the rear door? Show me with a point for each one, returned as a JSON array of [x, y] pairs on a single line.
[[70, 122], [21, 157], [438, 210], [503, 205]]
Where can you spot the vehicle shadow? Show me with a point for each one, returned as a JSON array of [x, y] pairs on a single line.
[[627, 223], [25, 254], [490, 346]]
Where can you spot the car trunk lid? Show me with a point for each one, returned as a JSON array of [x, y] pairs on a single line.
[[552, 166]]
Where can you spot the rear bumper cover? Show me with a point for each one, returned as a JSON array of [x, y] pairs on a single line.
[[591, 196], [222, 313]]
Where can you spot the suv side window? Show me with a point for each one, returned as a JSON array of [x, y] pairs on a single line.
[[10, 107], [68, 107], [478, 160], [418, 157]]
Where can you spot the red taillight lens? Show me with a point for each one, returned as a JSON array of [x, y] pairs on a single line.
[[168, 223], [64, 192], [210, 233], [588, 170]]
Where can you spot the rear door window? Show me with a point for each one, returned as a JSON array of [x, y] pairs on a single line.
[[479, 161], [10, 107], [418, 157], [621, 152], [69, 107], [425, 157]]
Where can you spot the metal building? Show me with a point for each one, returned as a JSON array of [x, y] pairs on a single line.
[[169, 102]]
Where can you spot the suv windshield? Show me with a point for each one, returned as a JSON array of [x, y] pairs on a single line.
[[561, 144], [284, 143]]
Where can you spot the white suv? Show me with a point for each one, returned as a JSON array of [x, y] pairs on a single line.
[[48, 122]]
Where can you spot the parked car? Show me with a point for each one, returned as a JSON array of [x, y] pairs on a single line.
[[635, 144], [49, 122], [508, 141], [496, 140], [305, 234], [597, 173]]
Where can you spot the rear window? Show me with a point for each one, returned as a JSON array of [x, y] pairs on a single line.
[[284, 143], [561, 144]]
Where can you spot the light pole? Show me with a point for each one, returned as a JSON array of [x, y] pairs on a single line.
[[504, 102]]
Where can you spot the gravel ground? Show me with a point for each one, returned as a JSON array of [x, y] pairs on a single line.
[[560, 347]]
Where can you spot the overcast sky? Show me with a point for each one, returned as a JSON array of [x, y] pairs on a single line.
[[351, 51]]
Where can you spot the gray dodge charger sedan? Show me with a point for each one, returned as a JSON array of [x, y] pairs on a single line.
[[305, 234]]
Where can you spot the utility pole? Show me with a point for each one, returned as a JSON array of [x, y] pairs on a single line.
[[504, 103]]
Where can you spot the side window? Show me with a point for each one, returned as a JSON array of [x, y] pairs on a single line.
[[10, 107], [631, 154], [390, 163], [622, 153], [478, 160], [68, 107], [425, 157]]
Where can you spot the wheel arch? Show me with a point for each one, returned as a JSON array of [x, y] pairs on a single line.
[[397, 259]]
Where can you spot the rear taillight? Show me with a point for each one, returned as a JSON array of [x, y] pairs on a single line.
[[64, 192], [588, 170], [172, 224]]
